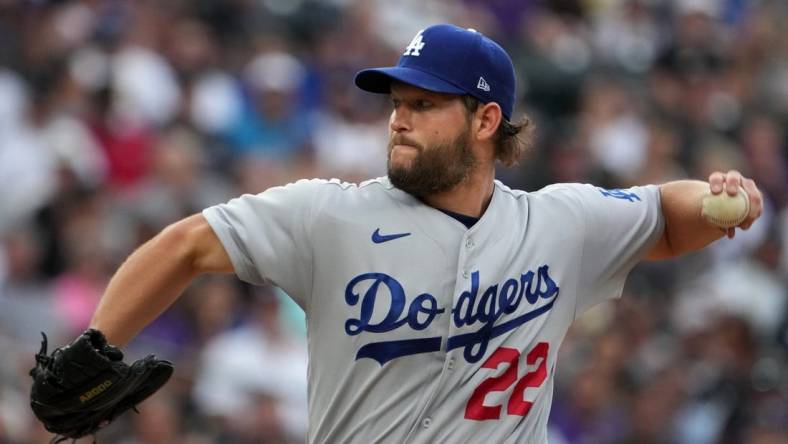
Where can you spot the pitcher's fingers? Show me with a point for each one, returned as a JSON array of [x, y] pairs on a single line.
[[756, 198], [733, 180], [716, 179]]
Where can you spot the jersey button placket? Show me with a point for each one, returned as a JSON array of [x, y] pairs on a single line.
[[426, 422], [469, 244]]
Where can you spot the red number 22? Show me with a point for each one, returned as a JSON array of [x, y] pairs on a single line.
[[517, 404]]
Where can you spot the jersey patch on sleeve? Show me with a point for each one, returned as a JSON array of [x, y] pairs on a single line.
[[620, 194]]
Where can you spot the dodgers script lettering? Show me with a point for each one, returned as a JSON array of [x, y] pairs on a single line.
[[474, 307]]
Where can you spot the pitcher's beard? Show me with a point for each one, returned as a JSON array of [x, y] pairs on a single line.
[[435, 169]]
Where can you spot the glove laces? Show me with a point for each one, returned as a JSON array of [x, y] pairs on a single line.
[[41, 356]]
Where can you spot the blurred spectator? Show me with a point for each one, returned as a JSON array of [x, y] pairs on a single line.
[[350, 137], [617, 135], [661, 163], [749, 287], [215, 307], [628, 35], [178, 183], [78, 288], [27, 166], [25, 296], [272, 124], [160, 422], [253, 379], [764, 144]]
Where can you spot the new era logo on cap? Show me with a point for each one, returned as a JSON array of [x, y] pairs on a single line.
[[452, 60], [483, 85]]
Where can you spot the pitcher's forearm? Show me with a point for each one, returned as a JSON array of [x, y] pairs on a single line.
[[148, 282], [155, 275], [686, 229]]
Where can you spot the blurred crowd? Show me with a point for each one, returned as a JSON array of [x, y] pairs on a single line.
[[118, 117]]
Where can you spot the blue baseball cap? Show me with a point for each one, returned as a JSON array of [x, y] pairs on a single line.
[[449, 59]]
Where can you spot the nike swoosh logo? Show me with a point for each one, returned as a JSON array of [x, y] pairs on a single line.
[[380, 238]]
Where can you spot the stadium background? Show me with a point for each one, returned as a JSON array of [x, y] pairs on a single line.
[[119, 117]]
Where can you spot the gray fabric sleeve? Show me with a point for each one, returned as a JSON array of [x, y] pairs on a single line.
[[267, 236], [621, 226]]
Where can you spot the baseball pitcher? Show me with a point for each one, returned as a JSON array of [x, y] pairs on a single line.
[[436, 297]]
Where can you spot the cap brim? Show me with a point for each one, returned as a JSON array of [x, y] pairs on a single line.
[[378, 80]]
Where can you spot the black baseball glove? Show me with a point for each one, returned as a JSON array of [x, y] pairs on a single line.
[[85, 385]]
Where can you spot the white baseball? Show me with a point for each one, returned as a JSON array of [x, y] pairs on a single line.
[[724, 210]]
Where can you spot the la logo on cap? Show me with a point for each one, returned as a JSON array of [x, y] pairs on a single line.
[[415, 46]]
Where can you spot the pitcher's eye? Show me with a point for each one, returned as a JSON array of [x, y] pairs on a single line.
[[423, 104]]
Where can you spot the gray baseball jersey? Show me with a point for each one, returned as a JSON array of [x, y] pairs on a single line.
[[421, 330]]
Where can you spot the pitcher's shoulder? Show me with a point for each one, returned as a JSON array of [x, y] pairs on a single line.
[[339, 185], [570, 192], [329, 186], [597, 199], [336, 196]]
